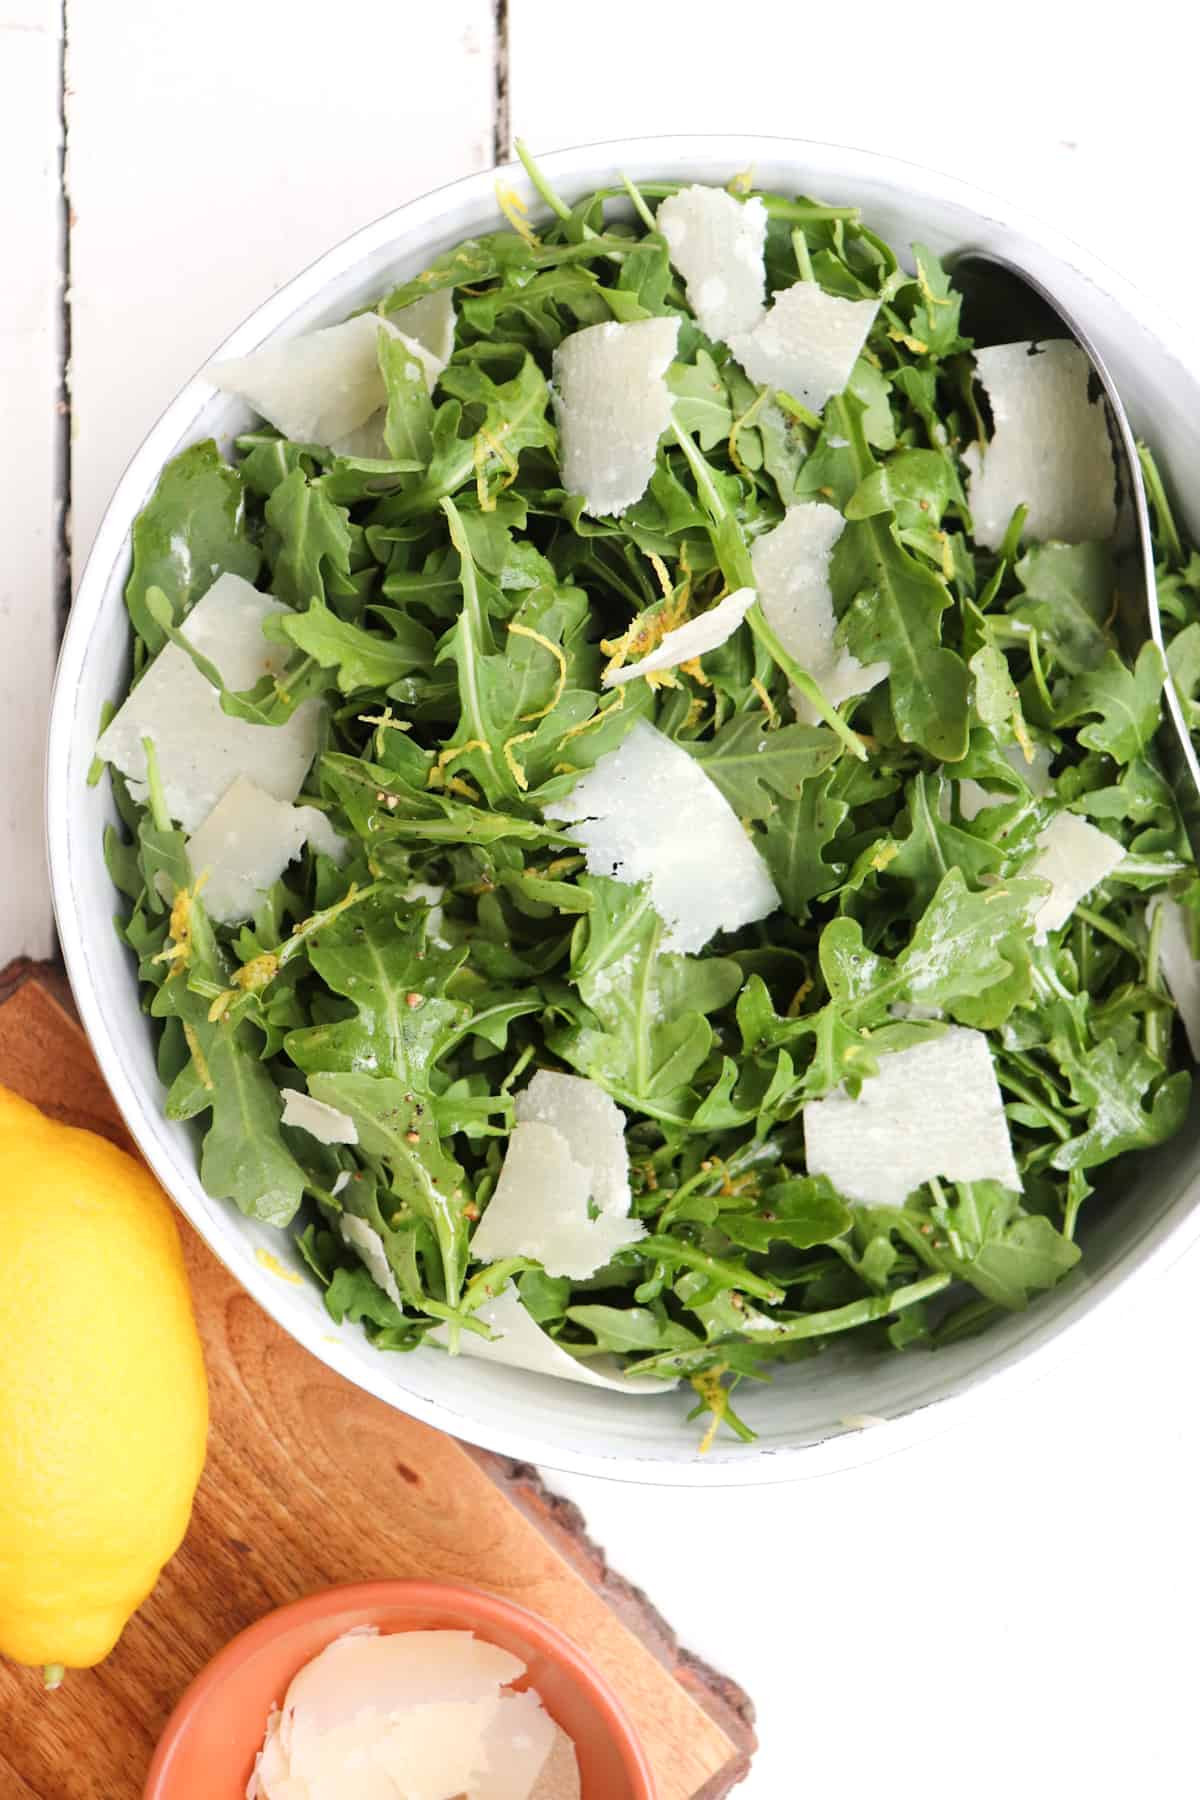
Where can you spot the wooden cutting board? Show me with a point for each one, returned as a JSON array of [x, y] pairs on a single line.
[[310, 1481]]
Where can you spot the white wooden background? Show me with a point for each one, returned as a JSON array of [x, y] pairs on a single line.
[[1012, 1607]]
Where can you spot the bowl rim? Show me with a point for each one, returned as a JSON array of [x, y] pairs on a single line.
[[371, 1596], [1037, 1351]]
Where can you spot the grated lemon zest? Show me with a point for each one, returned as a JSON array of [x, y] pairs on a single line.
[[516, 212], [437, 775], [556, 652], [716, 1398], [768, 705], [600, 713], [518, 773], [198, 1057]]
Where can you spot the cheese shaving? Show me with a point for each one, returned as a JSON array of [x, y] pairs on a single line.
[[245, 844], [806, 344], [324, 386], [694, 638], [430, 322], [717, 244], [932, 1110], [1073, 856], [559, 1779], [328, 1124], [791, 566], [566, 1158], [519, 1342], [413, 1715], [201, 750], [612, 404], [366, 1241], [516, 1747], [1049, 449], [647, 812], [1180, 969]]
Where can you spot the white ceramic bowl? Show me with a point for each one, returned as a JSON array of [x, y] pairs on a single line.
[[800, 1417]]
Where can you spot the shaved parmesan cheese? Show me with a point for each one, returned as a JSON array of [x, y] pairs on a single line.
[[807, 343], [559, 1779], [380, 1716], [566, 1158], [341, 1181], [973, 799], [1049, 448], [520, 1343], [594, 1128], [366, 442], [322, 387], [1180, 968], [201, 751], [695, 638], [430, 322], [364, 1239], [791, 566], [245, 844], [540, 1209], [612, 404], [321, 836], [932, 1110], [647, 812], [417, 1715], [1072, 856], [717, 243], [516, 1746], [326, 1123], [387, 1671]]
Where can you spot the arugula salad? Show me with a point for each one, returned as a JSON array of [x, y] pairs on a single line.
[[641, 831]]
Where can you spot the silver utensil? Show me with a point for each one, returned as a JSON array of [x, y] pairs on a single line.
[[1003, 305]]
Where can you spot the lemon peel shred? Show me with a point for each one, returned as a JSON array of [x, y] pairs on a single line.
[[768, 705], [556, 651], [179, 929], [600, 714], [437, 775], [716, 1398], [516, 212], [198, 1057], [517, 772]]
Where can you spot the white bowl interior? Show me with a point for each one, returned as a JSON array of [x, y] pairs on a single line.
[[800, 1417]]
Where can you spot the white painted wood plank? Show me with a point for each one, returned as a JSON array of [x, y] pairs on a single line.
[[30, 376], [215, 150], [1087, 121]]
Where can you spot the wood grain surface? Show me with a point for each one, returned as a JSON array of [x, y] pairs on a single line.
[[310, 1481]]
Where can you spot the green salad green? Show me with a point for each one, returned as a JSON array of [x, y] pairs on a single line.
[[452, 609]]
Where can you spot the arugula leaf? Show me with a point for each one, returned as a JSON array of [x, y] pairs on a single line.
[[1071, 591], [363, 659], [894, 606], [1124, 703], [313, 540], [191, 530], [701, 401], [755, 768]]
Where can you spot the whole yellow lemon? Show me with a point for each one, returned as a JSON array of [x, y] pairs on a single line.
[[103, 1398]]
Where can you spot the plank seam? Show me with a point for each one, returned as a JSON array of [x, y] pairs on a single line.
[[501, 115]]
